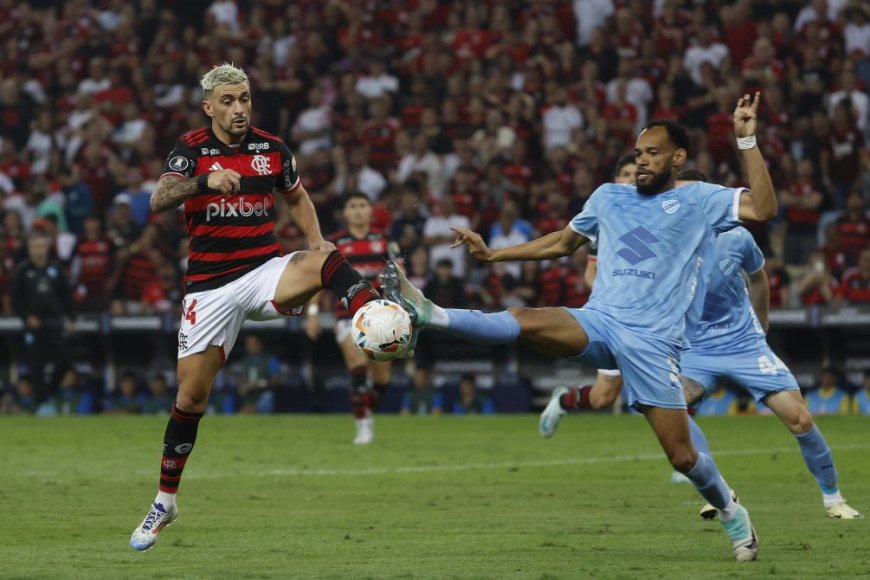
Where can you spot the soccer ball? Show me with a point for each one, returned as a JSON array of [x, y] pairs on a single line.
[[381, 330]]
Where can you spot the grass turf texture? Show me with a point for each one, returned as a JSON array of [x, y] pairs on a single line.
[[289, 496]]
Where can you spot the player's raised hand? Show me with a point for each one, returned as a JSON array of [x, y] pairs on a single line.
[[225, 181], [476, 246], [745, 114]]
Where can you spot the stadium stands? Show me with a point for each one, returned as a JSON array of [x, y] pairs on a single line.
[[462, 106]]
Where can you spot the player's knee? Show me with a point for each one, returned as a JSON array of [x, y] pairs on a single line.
[[310, 260], [528, 323], [802, 422], [192, 396], [683, 458]]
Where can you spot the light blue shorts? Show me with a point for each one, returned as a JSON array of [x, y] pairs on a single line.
[[650, 366], [758, 370]]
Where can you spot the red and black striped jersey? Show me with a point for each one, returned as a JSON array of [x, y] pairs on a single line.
[[855, 287], [94, 263], [230, 235], [367, 255]]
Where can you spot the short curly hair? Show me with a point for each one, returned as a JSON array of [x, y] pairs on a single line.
[[225, 74]]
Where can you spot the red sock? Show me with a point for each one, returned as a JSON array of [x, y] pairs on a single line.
[[348, 285], [576, 398]]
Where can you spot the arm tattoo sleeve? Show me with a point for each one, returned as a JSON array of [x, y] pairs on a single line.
[[170, 193]]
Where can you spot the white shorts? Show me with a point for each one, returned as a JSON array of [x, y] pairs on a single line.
[[342, 329], [214, 317]]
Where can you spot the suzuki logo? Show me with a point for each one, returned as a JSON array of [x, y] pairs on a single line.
[[637, 241]]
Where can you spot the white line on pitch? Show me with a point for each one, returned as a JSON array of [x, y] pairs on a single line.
[[503, 465], [297, 472]]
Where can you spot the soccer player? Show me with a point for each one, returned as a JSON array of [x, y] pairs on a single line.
[[367, 251], [655, 239], [225, 175], [606, 380], [728, 343]]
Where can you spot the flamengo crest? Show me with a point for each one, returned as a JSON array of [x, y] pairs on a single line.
[[260, 164]]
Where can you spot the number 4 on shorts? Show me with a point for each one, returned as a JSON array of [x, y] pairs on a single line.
[[770, 367], [190, 312]]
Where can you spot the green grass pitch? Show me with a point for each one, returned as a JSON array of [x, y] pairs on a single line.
[[448, 497]]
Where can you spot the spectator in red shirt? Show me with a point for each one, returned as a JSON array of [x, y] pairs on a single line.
[[666, 107], [163, 293], [762, 66], [779, 281], [740, 30], [801, 201], [838, 260], [91, 266], [841, 159], [720, 132], [471, 41], [817, 286], [854, 226], [380, 135], [621, 116], [855, 286]]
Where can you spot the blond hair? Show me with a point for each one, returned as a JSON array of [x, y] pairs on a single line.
[[225, 74]]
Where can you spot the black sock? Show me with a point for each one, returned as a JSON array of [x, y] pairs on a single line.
[[351, 288], [177, 444], [359, 390], [378, 390]]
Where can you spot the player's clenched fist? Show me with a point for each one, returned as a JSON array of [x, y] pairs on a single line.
[[476, 246], [224, 181]]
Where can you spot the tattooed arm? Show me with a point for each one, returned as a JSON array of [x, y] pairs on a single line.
[[171, 191]]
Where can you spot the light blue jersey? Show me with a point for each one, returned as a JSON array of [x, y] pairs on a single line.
[[653, 249], [728, 321], [654, 253], [727, 341]]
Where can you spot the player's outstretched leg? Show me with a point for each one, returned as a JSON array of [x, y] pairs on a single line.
[[472, 325], [789, 407], [671, 428], [551, 331]]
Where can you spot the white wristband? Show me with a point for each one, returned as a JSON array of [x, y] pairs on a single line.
[[744, 143], [313, 310]]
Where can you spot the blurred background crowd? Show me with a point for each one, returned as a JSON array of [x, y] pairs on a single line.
[[500, 116]]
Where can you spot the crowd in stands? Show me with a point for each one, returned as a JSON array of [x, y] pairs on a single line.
[[255, 383], [501, 116]]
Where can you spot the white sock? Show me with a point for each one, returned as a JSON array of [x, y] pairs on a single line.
[[729, 510], [165, 499], [439, 317], [832, 498]]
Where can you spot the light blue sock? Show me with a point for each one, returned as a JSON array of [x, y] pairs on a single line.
[[482, 327], [699, 440], [708, 481], [819, 459]]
